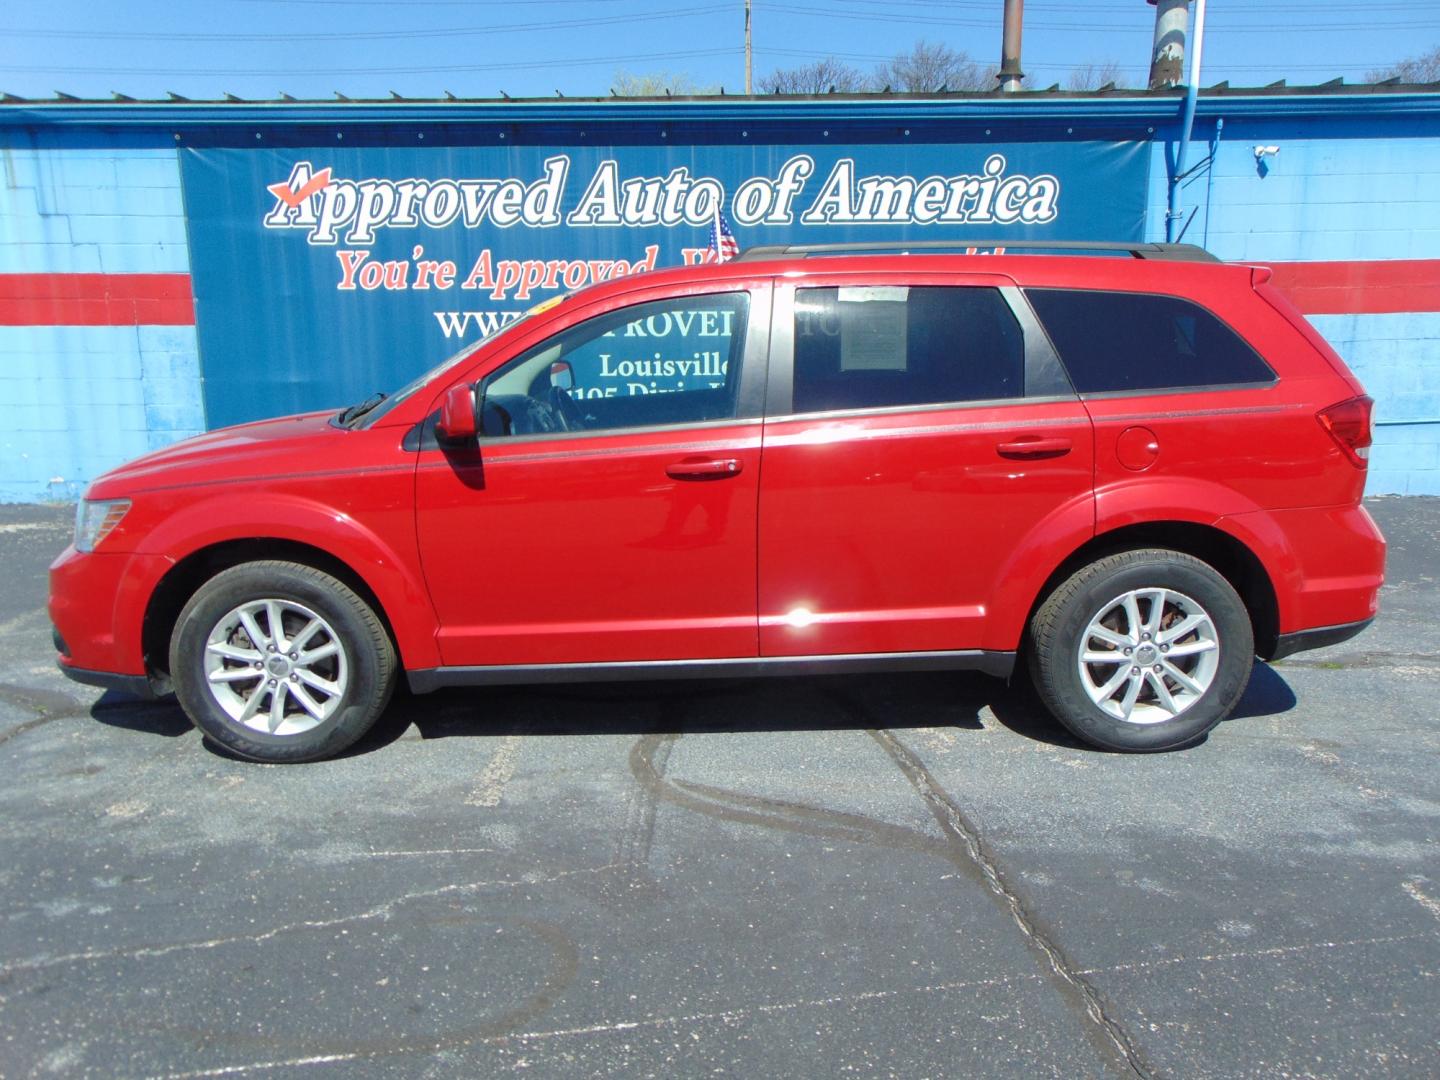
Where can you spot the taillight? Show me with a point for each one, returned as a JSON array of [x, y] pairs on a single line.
[[1352, 425]]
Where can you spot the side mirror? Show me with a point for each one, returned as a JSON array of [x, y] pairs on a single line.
[[562, 376], [456, 426]]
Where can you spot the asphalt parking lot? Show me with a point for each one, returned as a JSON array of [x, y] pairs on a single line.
[[911, 875]]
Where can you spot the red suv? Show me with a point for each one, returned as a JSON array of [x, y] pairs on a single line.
[[1135, 467]]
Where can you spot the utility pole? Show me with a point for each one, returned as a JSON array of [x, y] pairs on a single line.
[[1167, 56], [1173, 228], [747, 47], [1010, 73]]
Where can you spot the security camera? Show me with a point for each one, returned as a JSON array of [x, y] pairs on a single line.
[[1266, 151]]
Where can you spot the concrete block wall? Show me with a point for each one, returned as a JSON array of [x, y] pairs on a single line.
[[76, 400], [114, 378], [1337, 191]]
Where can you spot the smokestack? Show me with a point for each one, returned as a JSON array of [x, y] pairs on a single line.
[[1167, 57], [1010, 73]]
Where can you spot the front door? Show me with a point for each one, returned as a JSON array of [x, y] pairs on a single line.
[[609, 513], [927, 434]]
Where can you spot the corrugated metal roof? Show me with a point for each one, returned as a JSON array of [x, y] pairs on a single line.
[[1279, 88], [1080, 113]]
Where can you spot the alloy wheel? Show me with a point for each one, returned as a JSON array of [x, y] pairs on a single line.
[[276, 666], [1148, 655]]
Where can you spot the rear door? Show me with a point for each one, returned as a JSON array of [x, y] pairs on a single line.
[[919, 431]]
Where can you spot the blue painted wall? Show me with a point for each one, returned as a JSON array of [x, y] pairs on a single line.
[[1338, 189], [1352, 180], [77, 400]]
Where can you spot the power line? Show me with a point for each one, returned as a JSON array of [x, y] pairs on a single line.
[[375, 35], [886, 14], [516, 65], [890, 16], [1128, 8], [593, 61], [423, 3]]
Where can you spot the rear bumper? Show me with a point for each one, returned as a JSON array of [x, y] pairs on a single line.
[[1318, 638], [1326, 565]]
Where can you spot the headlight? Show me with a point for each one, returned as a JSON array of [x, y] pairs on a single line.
[[96, 519]]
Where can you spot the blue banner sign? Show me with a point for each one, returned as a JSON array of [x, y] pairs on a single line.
[[322, 274]]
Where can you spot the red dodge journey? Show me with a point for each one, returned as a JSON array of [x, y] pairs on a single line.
[[1125, 472]]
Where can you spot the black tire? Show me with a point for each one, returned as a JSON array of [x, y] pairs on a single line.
[[1055, 639], [368, 656]]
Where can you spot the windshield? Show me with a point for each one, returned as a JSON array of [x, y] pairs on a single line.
[[410, 388]]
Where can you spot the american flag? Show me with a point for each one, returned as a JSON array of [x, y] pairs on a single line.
[[722, 241]]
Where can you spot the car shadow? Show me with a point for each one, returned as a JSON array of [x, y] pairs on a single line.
[[163, 717], [954, 700]]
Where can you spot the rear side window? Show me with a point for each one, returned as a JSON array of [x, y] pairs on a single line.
[[1139, 341], [874, 346]]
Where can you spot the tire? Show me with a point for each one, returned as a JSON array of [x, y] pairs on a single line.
[[326, 702], [1204, 643]]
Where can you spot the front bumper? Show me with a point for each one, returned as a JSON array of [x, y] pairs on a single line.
[[136, 685], [97, 606]]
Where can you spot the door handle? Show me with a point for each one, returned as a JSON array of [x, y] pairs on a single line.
[[1034, 446], [703, 468]]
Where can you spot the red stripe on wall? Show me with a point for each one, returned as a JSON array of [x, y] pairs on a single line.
[[1361, 288], [96, 300], [1317, 288]]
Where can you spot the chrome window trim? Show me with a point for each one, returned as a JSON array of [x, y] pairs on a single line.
[[749, 394], [1162, 391], [1043, 371], [613, 433], [947, 406]]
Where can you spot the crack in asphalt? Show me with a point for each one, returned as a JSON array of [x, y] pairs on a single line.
[[1362, 660], [730, 1016], [48, 704], [379, 911], [954, 822], [961, 846]]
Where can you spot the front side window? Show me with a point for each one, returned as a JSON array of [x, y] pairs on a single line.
[[666, 362], [879, 346], [1116, 341]]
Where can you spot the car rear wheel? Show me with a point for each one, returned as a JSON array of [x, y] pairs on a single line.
[[1141, 651], [278, 661]]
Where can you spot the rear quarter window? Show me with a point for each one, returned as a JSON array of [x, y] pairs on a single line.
[[1116, 341]]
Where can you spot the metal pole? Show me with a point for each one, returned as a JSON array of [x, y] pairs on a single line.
[[1187, 123], [1010, 73], [1167, 55], [747, 46]]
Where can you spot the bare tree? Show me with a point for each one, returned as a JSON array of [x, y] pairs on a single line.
[[930, 67], [1424, 68], [1093, 76], [817, 78], [657, 84]]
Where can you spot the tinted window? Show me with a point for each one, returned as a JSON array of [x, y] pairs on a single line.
[[668, 362], [879, 345], [1137, 341]]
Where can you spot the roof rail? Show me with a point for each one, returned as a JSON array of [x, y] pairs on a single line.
[[1174, 252]]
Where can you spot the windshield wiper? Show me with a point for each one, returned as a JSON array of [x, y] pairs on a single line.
[[354, 412]]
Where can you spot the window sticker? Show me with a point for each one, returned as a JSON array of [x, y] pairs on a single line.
[[860, 294], [872, 335]]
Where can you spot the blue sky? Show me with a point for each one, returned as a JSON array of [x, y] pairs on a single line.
[[420, 48]]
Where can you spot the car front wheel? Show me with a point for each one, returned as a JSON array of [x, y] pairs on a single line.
[[1141, 651], [280, 662]]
